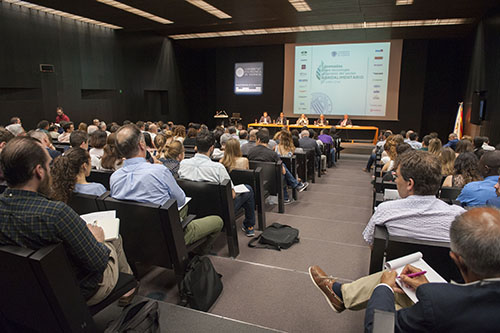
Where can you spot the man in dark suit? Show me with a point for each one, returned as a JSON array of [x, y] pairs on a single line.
[[442, 307], [281, 119]]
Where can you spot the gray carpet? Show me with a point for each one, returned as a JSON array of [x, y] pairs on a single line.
[[272, 288]]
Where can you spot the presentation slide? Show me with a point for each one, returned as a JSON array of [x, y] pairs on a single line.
[[248, 77], [339, 79]]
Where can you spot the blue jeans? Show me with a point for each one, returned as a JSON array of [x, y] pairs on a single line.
[[289, 180], [370, 161], [332, 152], [247, 201]]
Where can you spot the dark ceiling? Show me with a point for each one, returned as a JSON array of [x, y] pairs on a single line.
[[257, 14]]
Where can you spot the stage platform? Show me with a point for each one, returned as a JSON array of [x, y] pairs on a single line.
[[357, 148]]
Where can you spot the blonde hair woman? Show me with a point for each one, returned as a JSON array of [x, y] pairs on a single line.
[[172, 157], [390, 149], [447, 157], [232, 156], [285, 148], [435, 146], [179, 133]]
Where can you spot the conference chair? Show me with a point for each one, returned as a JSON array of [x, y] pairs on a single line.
[[272, 179], [40, 292], [85, 203], [101, 177], [450, 194]]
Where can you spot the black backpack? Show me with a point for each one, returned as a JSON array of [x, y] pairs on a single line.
[[201, 285], [276, 236], [140, 317]]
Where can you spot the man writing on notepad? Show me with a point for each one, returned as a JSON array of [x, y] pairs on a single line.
[[29, 219], [441, 307]]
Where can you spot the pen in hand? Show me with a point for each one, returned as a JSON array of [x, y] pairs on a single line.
[[414, 274]]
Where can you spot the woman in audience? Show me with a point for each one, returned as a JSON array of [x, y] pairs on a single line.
[[190, 140], [463, 146], [160, 142], [169, 137], [232, 156], [69, 173], [150, 147], [447, 157], [276, 137], [466, 170], [97, 141], [390, 151], [172, 157], [435, 146], [179, 133], [111, 159], [286, 146]]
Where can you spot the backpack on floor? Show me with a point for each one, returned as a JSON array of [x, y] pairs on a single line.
[[140, 317], [276, 236], [201, 285]]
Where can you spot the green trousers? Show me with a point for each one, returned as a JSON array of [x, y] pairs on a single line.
[[208, 226]]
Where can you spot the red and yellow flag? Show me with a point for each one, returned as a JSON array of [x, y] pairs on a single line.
[[459, 122]]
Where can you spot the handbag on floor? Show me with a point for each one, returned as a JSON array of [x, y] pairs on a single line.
[[276, 236], [140, 317], [201, 285]]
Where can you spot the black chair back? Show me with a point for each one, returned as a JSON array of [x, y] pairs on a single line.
[[272, 179], [214, 199], [101, 177], [40, 292], [252, 178], [450, 194], [311, 164], [85, 203], [436, 254], [152, 234]]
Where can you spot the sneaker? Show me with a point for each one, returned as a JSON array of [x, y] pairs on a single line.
[[288, 201], [249, 232], [302, 186]]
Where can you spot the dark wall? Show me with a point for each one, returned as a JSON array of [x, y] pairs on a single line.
[[485, 75], [98, 72]]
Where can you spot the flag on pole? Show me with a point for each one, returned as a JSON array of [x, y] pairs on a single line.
[[459, 123]]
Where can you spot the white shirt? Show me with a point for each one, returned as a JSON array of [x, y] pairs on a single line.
[[95, 157], [202, 168], [421, 217], [415, 144]]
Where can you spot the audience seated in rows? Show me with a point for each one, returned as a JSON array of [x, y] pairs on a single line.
[[31, 220], [138, 180], [478, 192], [69, 172], [442, 307], [379, 148], [261, 152], [419, 214], [202, 168], [46, 142]]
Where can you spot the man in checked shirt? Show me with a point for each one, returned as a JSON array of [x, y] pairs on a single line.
[[29, 219]]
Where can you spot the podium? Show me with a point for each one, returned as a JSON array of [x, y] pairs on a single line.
[[222, 117]]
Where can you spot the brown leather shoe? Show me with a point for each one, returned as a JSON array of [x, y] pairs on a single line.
[[324, 284]]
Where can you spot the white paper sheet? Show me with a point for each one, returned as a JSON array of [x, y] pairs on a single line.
[[107, 221]]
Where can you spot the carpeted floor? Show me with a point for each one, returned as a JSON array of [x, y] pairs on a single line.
[[272, 288]]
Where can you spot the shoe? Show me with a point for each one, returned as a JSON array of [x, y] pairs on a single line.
[[324, 283], [126, 300], [249, 232], [302, 186], [288, 201]]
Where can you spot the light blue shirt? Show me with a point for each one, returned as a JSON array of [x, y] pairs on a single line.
[[140, 181], [90, 189], [477, 193]]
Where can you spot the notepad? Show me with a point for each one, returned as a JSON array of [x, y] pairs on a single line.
[[391, 194], [107, 220], [416, 260], [240, 189]]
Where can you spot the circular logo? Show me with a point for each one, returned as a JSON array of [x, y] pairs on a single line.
[[321, 104], [240, 72]]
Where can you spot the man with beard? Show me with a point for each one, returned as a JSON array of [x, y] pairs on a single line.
[[31, 220]]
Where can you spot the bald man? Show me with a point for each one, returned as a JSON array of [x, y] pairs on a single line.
[[442, 307]]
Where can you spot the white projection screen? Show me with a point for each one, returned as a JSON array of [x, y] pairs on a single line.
[[358, 79]]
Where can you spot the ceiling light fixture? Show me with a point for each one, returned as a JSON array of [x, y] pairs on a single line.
[[56, 12], [135, 11], [300, 5], [209, 8], [327, 27], [404, 2]]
